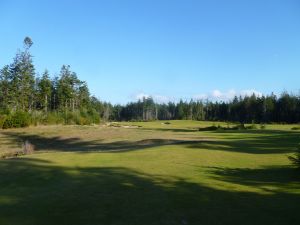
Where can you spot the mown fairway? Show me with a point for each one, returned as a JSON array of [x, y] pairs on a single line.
[[151, 174]]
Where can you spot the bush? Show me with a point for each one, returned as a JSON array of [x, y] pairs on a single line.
[[18, 119], [38, 117], [220, 128], [54, 118], [240, 127], [210, 128], [94, 117], [2, 120], [24, 119], [295, 128], [82, 117], [7, 123], [296, 158], [263, 126], [251, 127], [21, 119]]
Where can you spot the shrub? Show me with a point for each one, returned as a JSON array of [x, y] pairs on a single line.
[[295, 128], [83, 121], [38, 117], [296, 158], [251, 127], [210, 128], [94, 117], [2, 120], [18, 119], [54, 118], [263, 126], [7, 123], [240, 127], [21, 119], [220, 128]]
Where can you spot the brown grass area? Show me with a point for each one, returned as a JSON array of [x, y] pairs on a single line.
[[90, 138]]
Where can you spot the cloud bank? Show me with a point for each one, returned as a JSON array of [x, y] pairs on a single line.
[[156, 98], [215, 95]]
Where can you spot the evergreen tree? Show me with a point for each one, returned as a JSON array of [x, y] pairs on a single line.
[[44, 91], [23, 78], [5, 89]]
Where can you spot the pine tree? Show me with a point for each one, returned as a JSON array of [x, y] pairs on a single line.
[[23, 78], [5, 88], [44, 91], [68, 85]]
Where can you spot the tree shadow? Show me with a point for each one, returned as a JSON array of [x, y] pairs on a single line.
[[244, 141], [257, 131], [269, 142], [79, 145], [37, 192], [182, 130], [276, 178], [221, 131]]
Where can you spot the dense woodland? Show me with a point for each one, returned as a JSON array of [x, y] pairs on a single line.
[[27, 97]]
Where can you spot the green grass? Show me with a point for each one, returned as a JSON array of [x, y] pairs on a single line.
[[152, 174]]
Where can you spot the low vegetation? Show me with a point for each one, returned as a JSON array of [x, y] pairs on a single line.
[[296, 158], [234, 127], [295, 128]]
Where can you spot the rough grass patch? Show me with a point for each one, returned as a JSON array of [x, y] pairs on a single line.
[[295, 128]]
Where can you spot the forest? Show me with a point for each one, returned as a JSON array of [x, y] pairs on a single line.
[[27, 97]]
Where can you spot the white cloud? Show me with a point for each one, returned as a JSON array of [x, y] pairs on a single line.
[[217, 95], [250, 92], [156, 98], [140, 96]]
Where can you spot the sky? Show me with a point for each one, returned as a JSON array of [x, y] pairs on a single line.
[[167, 49]]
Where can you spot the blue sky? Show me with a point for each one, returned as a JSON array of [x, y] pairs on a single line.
[[169, 49]]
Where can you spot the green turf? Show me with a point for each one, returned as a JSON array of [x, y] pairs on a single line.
[[152, 174]]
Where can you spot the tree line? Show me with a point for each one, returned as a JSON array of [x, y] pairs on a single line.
[[246, 109], [25, 95]]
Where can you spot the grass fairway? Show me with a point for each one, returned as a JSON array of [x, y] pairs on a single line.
[[151, 174]]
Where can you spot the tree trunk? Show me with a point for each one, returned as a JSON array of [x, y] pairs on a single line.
[[46, 104]]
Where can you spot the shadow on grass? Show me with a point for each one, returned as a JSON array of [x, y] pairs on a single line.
[[268, 142], [182, 130], [246, 141], [221, 131], [79, 145], [34, 192], [275, 177], [253, 142]]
